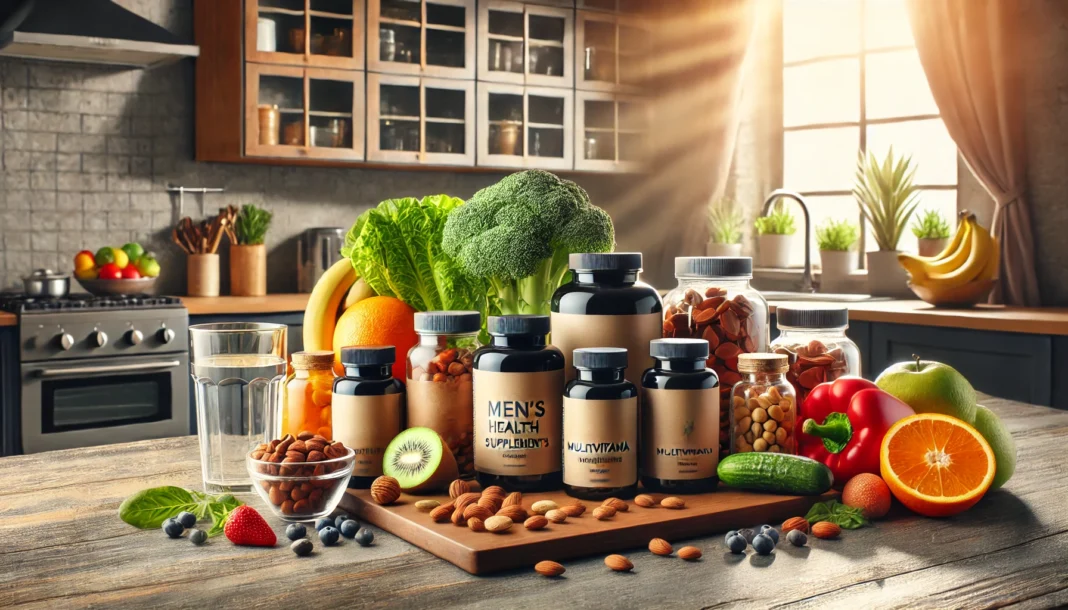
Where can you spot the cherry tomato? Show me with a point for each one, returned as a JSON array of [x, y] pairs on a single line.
[[131, 273], [110, 271]]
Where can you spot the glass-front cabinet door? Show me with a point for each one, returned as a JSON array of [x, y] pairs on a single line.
[[611, 51], [421, 37], [325, 33], [524, 43], [612, 133], [314, 113], [615, 6], [428, 121], [528, 127]]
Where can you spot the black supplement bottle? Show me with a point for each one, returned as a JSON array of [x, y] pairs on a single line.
[[519, 386], [605, 305], [600, 427], [680, 419], [368, 408]]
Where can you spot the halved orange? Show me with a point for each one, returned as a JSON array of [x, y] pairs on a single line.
[[935, 464]]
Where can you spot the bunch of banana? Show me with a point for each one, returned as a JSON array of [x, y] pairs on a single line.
[[337, 290], [971, 258]]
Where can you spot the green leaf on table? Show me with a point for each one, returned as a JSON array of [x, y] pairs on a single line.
[[846, 517], [149, 508]]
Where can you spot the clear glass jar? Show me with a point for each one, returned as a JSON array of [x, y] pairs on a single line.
[[814, 340], [714, 301], [440, 394], [763, 415], [307, 394]]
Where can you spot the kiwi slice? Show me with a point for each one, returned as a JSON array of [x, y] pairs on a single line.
[[420, 461]]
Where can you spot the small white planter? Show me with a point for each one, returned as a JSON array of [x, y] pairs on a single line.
[[836, 266], [718, 249], [886, 277], [932, 246], [774, 250]]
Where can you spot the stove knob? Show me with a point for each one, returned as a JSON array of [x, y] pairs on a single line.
[[98, 338], [134, 337], [65, 341], [166, 335]]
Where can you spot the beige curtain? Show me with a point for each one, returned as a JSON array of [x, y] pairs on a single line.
[[969, 51]]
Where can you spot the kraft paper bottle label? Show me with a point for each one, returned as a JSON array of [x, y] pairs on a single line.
[[680, 433], [518, 422], [445, 408], [600, 442], [366, 424], [572, 331]]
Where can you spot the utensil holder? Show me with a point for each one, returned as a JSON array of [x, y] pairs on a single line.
[[202, 275], [248, 270]]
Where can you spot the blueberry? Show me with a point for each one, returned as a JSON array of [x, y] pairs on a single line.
[[296, 531], [763, 527], [322, 522], [736, 544], [348, 528], [797, 537], [329, 535], [763, 544], [365, 536], [772, 533], [748, 534], [198, 537], [187, 519], [729, 535], [302, 547], [341, 518], [172, 528]]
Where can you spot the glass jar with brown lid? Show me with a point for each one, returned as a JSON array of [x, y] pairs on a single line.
[[763, 413], [307, 394]]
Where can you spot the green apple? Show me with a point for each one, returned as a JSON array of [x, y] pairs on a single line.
[[930, 387], [148, 266], [134, 251], [994, 431]]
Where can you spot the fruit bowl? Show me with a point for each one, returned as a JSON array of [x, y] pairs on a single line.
[[103, 287], [966, 295], [301, 491]]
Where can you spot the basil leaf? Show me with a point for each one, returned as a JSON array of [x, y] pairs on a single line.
[[220, 511], [819, 512], [149, 508], [846, 517]]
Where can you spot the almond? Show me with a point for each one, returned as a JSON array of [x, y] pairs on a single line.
[[458, 488], [556, 515], [616, 503], [543, 506], [465, 500], [457, 517], [644, 500], [426, 506], [514, 499], [690, 553], [659, 546], [494, 490], [618, 563], [493, 503], [536, 522], [474, 510], [604, 513], [795, 523], [442, 513], [385, 490], [573, 510], [673, 503], [515, 513], [826, 530], [476, 525], [549, 568], [498, 524]]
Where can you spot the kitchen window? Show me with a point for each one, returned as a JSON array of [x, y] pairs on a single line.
[[852, 81]]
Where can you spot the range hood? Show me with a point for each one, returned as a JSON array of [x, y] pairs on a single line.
[[86, 31]]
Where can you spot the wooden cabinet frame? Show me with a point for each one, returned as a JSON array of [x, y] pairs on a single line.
[[421, 156], [567, 79], [375, 21], [581, 17], [525, 160], [307, 58], [605, 165]]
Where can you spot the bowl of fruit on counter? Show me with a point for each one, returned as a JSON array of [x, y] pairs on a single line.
[[125, 270]]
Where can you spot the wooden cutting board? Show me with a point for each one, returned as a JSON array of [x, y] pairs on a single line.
[[484, 552]]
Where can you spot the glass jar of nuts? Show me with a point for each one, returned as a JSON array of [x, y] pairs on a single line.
[[815, 342], [763, 406], [440, 394]]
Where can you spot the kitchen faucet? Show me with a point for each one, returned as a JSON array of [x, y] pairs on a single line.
[[806, 278]]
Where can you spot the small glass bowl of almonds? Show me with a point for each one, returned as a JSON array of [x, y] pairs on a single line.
[[763, 414], [301, 478]]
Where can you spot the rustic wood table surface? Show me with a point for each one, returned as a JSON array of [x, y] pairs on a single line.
[[63, 545]]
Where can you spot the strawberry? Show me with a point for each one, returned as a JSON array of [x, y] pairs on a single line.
[[247, 527]]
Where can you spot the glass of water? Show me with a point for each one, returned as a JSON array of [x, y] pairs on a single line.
[[239, 371]]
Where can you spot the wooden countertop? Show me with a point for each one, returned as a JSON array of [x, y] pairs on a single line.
[[63, 545], [272, 303], [8, 319]]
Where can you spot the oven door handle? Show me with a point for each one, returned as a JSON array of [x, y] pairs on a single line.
[[115, 368]]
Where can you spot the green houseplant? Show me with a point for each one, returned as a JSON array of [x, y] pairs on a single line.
[[724, 229], [931, 231], [774, 234], [248, 256], [836, 240], [887, 197]]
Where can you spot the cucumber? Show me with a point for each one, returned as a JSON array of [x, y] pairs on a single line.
[[775, 472]]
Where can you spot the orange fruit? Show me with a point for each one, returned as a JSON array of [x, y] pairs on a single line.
[[869, 493], [377, 321], [935, 464]]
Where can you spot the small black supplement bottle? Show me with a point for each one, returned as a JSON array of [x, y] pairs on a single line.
[[600, 427], [605, 305], [680, 419], [367, 408], [519, 387]]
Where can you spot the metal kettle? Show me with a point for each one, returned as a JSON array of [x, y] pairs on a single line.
[[317, 250]]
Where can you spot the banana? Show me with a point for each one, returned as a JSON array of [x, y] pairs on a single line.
[[982, 250], [952, 257], [321, 314], [359, 291]]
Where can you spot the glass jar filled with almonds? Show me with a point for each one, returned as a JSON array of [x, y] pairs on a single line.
[[815, 342], [763, 413], [307, 394]]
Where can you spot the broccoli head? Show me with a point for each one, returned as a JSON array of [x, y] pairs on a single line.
[[518, 234]]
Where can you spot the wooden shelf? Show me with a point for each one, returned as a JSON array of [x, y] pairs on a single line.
[[545, 126], [600, 129], [398, 117], [430, 119], [291, 110], [446, 28], [281, 11], [405, 22], [538, 42], [330, 114], [329, 15], [505, 37]]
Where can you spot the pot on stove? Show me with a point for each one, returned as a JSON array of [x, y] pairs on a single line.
[[46, 283]]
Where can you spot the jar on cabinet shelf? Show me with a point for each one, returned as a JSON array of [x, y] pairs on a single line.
[[307, 394], [763, 414], [715, 301], [814, 339]]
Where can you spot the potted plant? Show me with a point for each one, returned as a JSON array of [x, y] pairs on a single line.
[[836, 240], [775, 232], [932, 232], [887, 198], [248, 255], [724, 229]]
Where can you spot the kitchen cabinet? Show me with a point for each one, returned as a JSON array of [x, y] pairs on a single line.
[[421, 37], [612, 6], [420, 120], [528, 127], [525, 44], [611, 131], [611, 50], [323, 33]]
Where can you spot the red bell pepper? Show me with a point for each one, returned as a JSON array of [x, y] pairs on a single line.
[[843, 425]]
